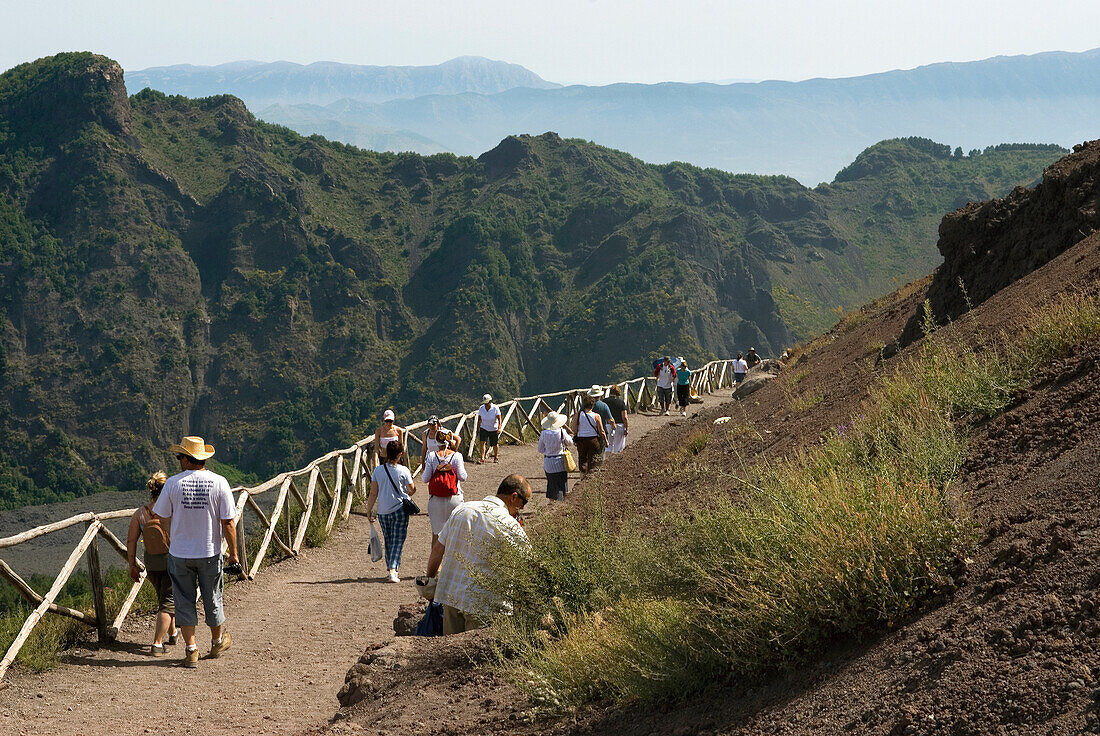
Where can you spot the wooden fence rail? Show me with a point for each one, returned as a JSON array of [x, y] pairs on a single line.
[[350, 470]]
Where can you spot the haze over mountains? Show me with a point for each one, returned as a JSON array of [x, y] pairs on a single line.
[[260, 84], [808, 130]]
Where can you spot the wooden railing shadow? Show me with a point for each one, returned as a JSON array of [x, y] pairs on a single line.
[[299, 491]]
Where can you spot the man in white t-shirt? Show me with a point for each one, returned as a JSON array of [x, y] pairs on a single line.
[[666, 376], [201, 508], [740, 368], [488, 427]]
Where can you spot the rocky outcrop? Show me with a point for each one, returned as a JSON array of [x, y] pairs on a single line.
[[989, 245]]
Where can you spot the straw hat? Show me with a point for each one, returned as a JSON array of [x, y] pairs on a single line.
[[596, 392], [554, 420], [193, 447]]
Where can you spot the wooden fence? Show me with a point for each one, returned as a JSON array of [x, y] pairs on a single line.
[[349, 470]]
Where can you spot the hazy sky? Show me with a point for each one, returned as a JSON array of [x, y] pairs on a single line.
[[582, 41]]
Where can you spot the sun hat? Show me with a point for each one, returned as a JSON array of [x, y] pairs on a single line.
[[596, 392], [193, 447], [387, 415], [486, 398], [554, 420]]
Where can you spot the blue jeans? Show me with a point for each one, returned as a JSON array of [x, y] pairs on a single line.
[[191, 575]]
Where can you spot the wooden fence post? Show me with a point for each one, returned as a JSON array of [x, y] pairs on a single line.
[[98, 599]]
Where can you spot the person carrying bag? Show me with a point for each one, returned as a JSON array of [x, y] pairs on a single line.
[[444, 471], [391, 485]]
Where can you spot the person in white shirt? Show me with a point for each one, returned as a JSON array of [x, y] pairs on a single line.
[[589, 435], [554, 442], [389, 484], [740, 368], [462, 555], [488, 427], [203, 513], [666, 376], [444, 471]]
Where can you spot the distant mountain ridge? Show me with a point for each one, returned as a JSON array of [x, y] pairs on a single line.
[[260, 84], [808, 129]]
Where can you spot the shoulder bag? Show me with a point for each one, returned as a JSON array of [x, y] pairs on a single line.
[[570, 461], [407, 504], [599, 437]]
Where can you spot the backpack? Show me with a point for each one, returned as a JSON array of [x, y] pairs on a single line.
[[443, 482], [153, 533]]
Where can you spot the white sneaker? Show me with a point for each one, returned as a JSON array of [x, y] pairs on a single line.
[[684, 413], [393, 577]]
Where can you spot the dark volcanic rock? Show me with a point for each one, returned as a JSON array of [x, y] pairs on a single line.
[[988, 246]]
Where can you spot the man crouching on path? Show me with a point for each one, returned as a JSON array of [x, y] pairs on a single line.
[[201, 508], [467, 543]]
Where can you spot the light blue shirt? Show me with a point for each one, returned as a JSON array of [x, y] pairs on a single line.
[[389, 497]]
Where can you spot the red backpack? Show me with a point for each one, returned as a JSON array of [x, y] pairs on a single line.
[[443, 482]]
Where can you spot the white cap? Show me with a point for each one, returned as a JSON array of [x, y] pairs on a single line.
[[388, 415], [487, 398]]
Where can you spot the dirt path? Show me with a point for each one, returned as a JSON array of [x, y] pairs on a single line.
[[296, 630]]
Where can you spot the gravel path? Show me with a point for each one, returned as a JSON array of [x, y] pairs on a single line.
[[296, 630]]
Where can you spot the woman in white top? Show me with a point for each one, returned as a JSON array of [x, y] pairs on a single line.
[[389, 484], [590, 436], [430, 442], [387, 433], [553, 443], [439, 464]]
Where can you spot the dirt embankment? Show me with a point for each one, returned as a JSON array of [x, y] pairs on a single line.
[[1012, 648]]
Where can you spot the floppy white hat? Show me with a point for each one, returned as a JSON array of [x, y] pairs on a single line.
[[192, 447], [554, 420], [596, 391]]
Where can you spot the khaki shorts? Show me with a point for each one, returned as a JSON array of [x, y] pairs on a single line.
[[162, 586], [456, 621]]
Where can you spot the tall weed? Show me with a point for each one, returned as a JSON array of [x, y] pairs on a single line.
[[849, 533]]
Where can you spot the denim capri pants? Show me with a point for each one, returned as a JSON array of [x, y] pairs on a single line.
[[190, 576]]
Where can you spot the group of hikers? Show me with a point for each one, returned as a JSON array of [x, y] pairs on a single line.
[[190, 515]]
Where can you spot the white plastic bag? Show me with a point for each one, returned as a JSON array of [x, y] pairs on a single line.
[[375, 546]]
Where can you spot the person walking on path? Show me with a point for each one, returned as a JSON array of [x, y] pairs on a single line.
[[201, 508], [752, 359], [666, 376], [488, 427], [467, 543], [387, 433], [430, 441], [601, 408], [740, 368], [683, 387], [389, 484], [444, 471], [622, 424], [155, 538], [590, 437], [554, 441]]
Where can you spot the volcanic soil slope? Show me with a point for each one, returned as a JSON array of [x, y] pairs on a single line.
[[1009, 647]]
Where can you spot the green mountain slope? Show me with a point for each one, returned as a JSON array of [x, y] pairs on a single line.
[[172, 265]]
